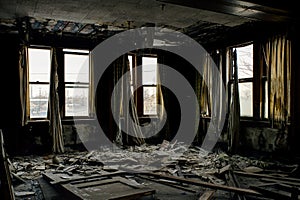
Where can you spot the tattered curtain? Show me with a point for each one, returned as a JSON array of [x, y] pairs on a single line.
[[126, 123], [234, 112], [208, 90], [277, 54], [24, 85], [53, 110]]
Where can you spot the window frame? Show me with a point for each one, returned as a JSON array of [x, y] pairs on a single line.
[[64, 84], [61, 84], [259, 81], [137, 76], [38, 82]]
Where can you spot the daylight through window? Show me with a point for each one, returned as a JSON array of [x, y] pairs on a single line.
[[245, 76], [39, 78], [149, 81], [76, 83]]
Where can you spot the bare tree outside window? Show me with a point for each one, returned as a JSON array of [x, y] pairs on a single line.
[[245, 75]]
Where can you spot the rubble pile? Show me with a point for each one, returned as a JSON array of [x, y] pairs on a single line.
[[173, 159]]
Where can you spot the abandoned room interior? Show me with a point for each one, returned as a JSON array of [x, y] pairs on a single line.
[[149, 99]]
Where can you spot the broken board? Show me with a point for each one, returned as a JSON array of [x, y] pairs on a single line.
[[102, 187]]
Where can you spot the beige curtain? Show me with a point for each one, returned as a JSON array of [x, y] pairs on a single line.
[[161, 111], [210, 97], [24, 85], [202, 82], [53, 110], [277, 54]]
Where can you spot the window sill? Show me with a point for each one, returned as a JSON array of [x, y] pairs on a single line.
[[38, 121], [71, 121]]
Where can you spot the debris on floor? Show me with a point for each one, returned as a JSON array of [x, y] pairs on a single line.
[[152, 172]]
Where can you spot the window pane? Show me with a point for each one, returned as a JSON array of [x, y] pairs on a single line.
[[266, 100], [245, 91], [149, 70], [150, 101], [130, 68], [245, 61], [76, 50], [76, 68], [76, 101], [39, 94], [39, 65]]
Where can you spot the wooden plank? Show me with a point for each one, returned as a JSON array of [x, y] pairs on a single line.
[[169, 184], [236, 184], [133, 194], [271, 194], [280, 181], [84, 193], [205, 184], [292, 189], [267, 176], [54, 179], [89, 180], [99, 187], [207, 195], [72, 192], [287, 187], [49, 192], [6, 189], [95, 183]]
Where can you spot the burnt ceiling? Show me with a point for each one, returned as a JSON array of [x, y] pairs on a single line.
[[205, 21]]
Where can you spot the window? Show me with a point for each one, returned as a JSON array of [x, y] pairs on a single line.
[[131, 63], [245, 76], [74, 90], [77, 79], [266, 99], [252, 80], [147, 76], [39, 78], [149, 81]]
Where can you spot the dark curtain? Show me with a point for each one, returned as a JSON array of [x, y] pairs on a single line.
[[53, 110], [169, 112], [234, 112], [117, 110]]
